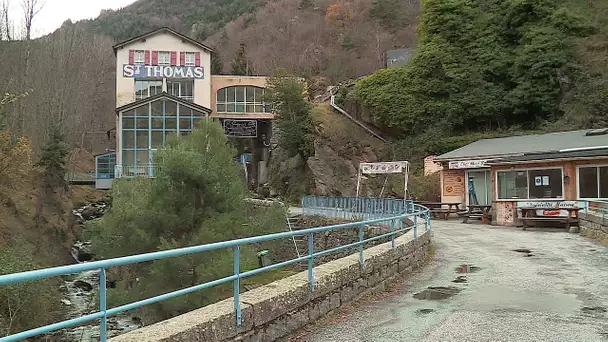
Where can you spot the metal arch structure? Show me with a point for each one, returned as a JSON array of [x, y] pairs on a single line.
[[402, 167]]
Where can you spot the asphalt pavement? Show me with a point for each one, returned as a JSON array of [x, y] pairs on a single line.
[[479, 288]]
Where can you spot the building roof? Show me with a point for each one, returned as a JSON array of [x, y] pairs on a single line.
[[163, 95], [530, 144], [161, 30], [526, 158]]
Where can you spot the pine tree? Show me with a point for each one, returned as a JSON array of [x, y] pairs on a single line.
[[54, 158], [217, 67], [240, 63]]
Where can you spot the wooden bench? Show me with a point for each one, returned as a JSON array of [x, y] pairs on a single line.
[[480, 212], [437, 209], [530, 215]]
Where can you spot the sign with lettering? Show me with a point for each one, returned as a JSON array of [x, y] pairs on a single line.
[[162, 71], [453, 183], [468, 164], [387, 167], [550, 204], [241, 128]]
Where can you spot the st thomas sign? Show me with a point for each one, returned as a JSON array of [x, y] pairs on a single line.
[[162, 71]]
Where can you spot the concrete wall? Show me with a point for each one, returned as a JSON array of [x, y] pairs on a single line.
[[594, 227], [163, 41], [280, 308]]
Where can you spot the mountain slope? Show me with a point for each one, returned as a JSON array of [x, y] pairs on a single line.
[[198, 18], [337, 39]]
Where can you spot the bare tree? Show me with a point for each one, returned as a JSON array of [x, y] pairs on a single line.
[[31, 8], [6, 27]]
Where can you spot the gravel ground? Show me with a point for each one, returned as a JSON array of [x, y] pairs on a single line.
[[558, 291]]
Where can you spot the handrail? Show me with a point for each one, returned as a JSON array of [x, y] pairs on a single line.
[[395, 223], [342, 111], [601, 205], [353, 207]]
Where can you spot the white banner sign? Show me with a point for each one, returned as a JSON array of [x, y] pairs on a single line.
[[550, 204], [468, 164], [388, 167]]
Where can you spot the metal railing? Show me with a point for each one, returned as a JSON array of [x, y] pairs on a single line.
[[395, 223], [596, 208], [132, 171], [355, 208]]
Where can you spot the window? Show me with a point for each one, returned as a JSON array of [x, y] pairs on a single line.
[[105, 166], [593, 182], [190, 59], [183, 89], [530, 184], [242, 100], [545, 183], [146, 128], [164, 58], [145, 89], [140, 57]]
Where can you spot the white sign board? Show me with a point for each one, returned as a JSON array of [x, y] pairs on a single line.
[[468, 164], [387, 167], [550, 204], [551, 208]]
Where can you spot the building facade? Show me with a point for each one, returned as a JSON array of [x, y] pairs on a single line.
[[549, 170], [164, 86]]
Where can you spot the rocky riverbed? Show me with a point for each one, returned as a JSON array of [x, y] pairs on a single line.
[[81, 289]]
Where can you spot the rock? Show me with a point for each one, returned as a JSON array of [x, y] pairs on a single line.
[[66, 302], [92, 212], [333, 175], [81, 284], [81, 251]]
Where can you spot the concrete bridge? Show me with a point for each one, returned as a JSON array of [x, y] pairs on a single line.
[[275, 310], [485, 283]]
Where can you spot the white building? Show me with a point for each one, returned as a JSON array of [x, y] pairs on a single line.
[[164, 86]]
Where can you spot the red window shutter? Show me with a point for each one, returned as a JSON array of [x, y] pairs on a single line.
[[173, 57], [131, 56], [154, 57], [147, 61], [182, 58], [197, 59]]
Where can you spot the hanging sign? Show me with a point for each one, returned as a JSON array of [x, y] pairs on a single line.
[[162, 71], [387, 167], [241, 128], [468, 164]]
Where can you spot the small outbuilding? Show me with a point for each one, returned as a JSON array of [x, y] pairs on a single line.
[[562, 169]]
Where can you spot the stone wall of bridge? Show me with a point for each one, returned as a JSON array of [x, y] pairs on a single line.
[[282, 307], [593, 226]]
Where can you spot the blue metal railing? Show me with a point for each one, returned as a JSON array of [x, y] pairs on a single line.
[[597, 208], [395, 222], [355, 207]]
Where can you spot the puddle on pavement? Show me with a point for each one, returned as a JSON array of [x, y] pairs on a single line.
[[594, 309], [527, 252], [437, 293], [467, 269], [424, 311], [522, 250], [460, 280]]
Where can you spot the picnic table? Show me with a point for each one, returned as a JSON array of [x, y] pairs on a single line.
[[437, 208], [550, 214], [478, 211]]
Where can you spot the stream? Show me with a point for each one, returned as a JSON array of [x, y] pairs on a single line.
[[80, 289]]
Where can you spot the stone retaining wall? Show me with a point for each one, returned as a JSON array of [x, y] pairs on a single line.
[[277, 309], [593, 227]]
